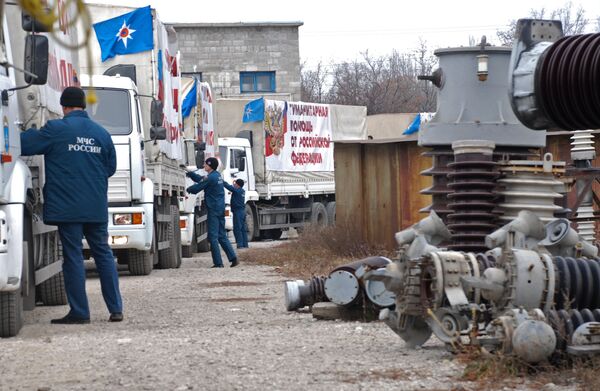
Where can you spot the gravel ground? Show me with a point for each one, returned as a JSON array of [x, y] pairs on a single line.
[[197, 328]]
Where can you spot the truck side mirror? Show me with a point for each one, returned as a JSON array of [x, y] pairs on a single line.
[[30, 24], [36, 59], [156, 113], [158, 133]]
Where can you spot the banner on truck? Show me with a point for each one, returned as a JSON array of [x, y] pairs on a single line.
[[63, 64], [297, 136], [207, 129], [169, 81]]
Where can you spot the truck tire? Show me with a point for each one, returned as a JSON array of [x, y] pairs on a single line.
[[251, 224], [330, 209], [170, 258], [140, 263], [52, 291], [11, 313], [318, 214]]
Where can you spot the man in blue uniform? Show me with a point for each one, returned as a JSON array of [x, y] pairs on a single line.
[[80, 157], [238, 207], [214, 196]]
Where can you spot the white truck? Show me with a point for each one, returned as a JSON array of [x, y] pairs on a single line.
[[286, 160], [139, 104], [30, 252]]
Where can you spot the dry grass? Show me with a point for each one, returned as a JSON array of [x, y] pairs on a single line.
[[496, 371], [316, 252]]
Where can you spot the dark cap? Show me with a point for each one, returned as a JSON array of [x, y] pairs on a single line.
[[212, 163], [240, 182], [73, 97]]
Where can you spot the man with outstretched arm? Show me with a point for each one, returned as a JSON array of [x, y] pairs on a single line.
[[214, 196]]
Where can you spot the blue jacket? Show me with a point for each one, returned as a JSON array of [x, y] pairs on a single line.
[[214, 195], [238, 197], [79, 157]]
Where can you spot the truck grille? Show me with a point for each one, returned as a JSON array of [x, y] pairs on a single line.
[[119, 187]]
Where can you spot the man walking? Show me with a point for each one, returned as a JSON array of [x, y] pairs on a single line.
[[214, 196], [238, 207], [80, 157]]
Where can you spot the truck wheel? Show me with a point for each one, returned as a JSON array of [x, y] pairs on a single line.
[[318, 214], [140, 262], [330, 209], [11, 313], [52, 291], [170, 258], [251, 224]]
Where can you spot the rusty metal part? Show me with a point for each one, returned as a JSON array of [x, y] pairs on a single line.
[[567, 82], [441, 157]]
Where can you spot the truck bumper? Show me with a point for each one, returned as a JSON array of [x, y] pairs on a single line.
[[187, 229], [135, 236]]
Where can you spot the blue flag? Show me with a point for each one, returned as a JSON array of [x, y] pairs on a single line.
[[190, 101], [254, 111], [414, 126], [125, 34]]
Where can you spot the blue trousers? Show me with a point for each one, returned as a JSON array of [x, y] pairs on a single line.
[[218, 236], [239, 228], [71, 236]]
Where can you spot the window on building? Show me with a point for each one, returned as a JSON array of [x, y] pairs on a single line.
[[197, 75], [257, 82]]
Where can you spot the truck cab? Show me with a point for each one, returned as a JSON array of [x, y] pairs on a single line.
[[144, 193], [130, 194], [236, 159]]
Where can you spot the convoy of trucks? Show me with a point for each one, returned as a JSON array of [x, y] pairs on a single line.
[[153, 222]]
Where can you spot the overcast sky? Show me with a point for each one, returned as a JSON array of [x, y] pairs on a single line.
[[337, 30]]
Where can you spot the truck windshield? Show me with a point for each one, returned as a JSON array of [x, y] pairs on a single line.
[[113, 110]]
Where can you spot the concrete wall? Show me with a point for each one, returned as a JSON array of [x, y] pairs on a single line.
[[220, 51]]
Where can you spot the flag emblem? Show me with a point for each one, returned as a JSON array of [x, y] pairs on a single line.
[[125, 33]]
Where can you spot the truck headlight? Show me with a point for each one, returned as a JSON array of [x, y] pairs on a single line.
[[127, 218]]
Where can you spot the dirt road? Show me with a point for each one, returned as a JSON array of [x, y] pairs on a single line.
[[197, 328]]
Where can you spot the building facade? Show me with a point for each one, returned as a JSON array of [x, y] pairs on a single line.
[[243, 59]]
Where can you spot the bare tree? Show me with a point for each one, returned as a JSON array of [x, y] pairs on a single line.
[[573, 22], [313, 83]]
